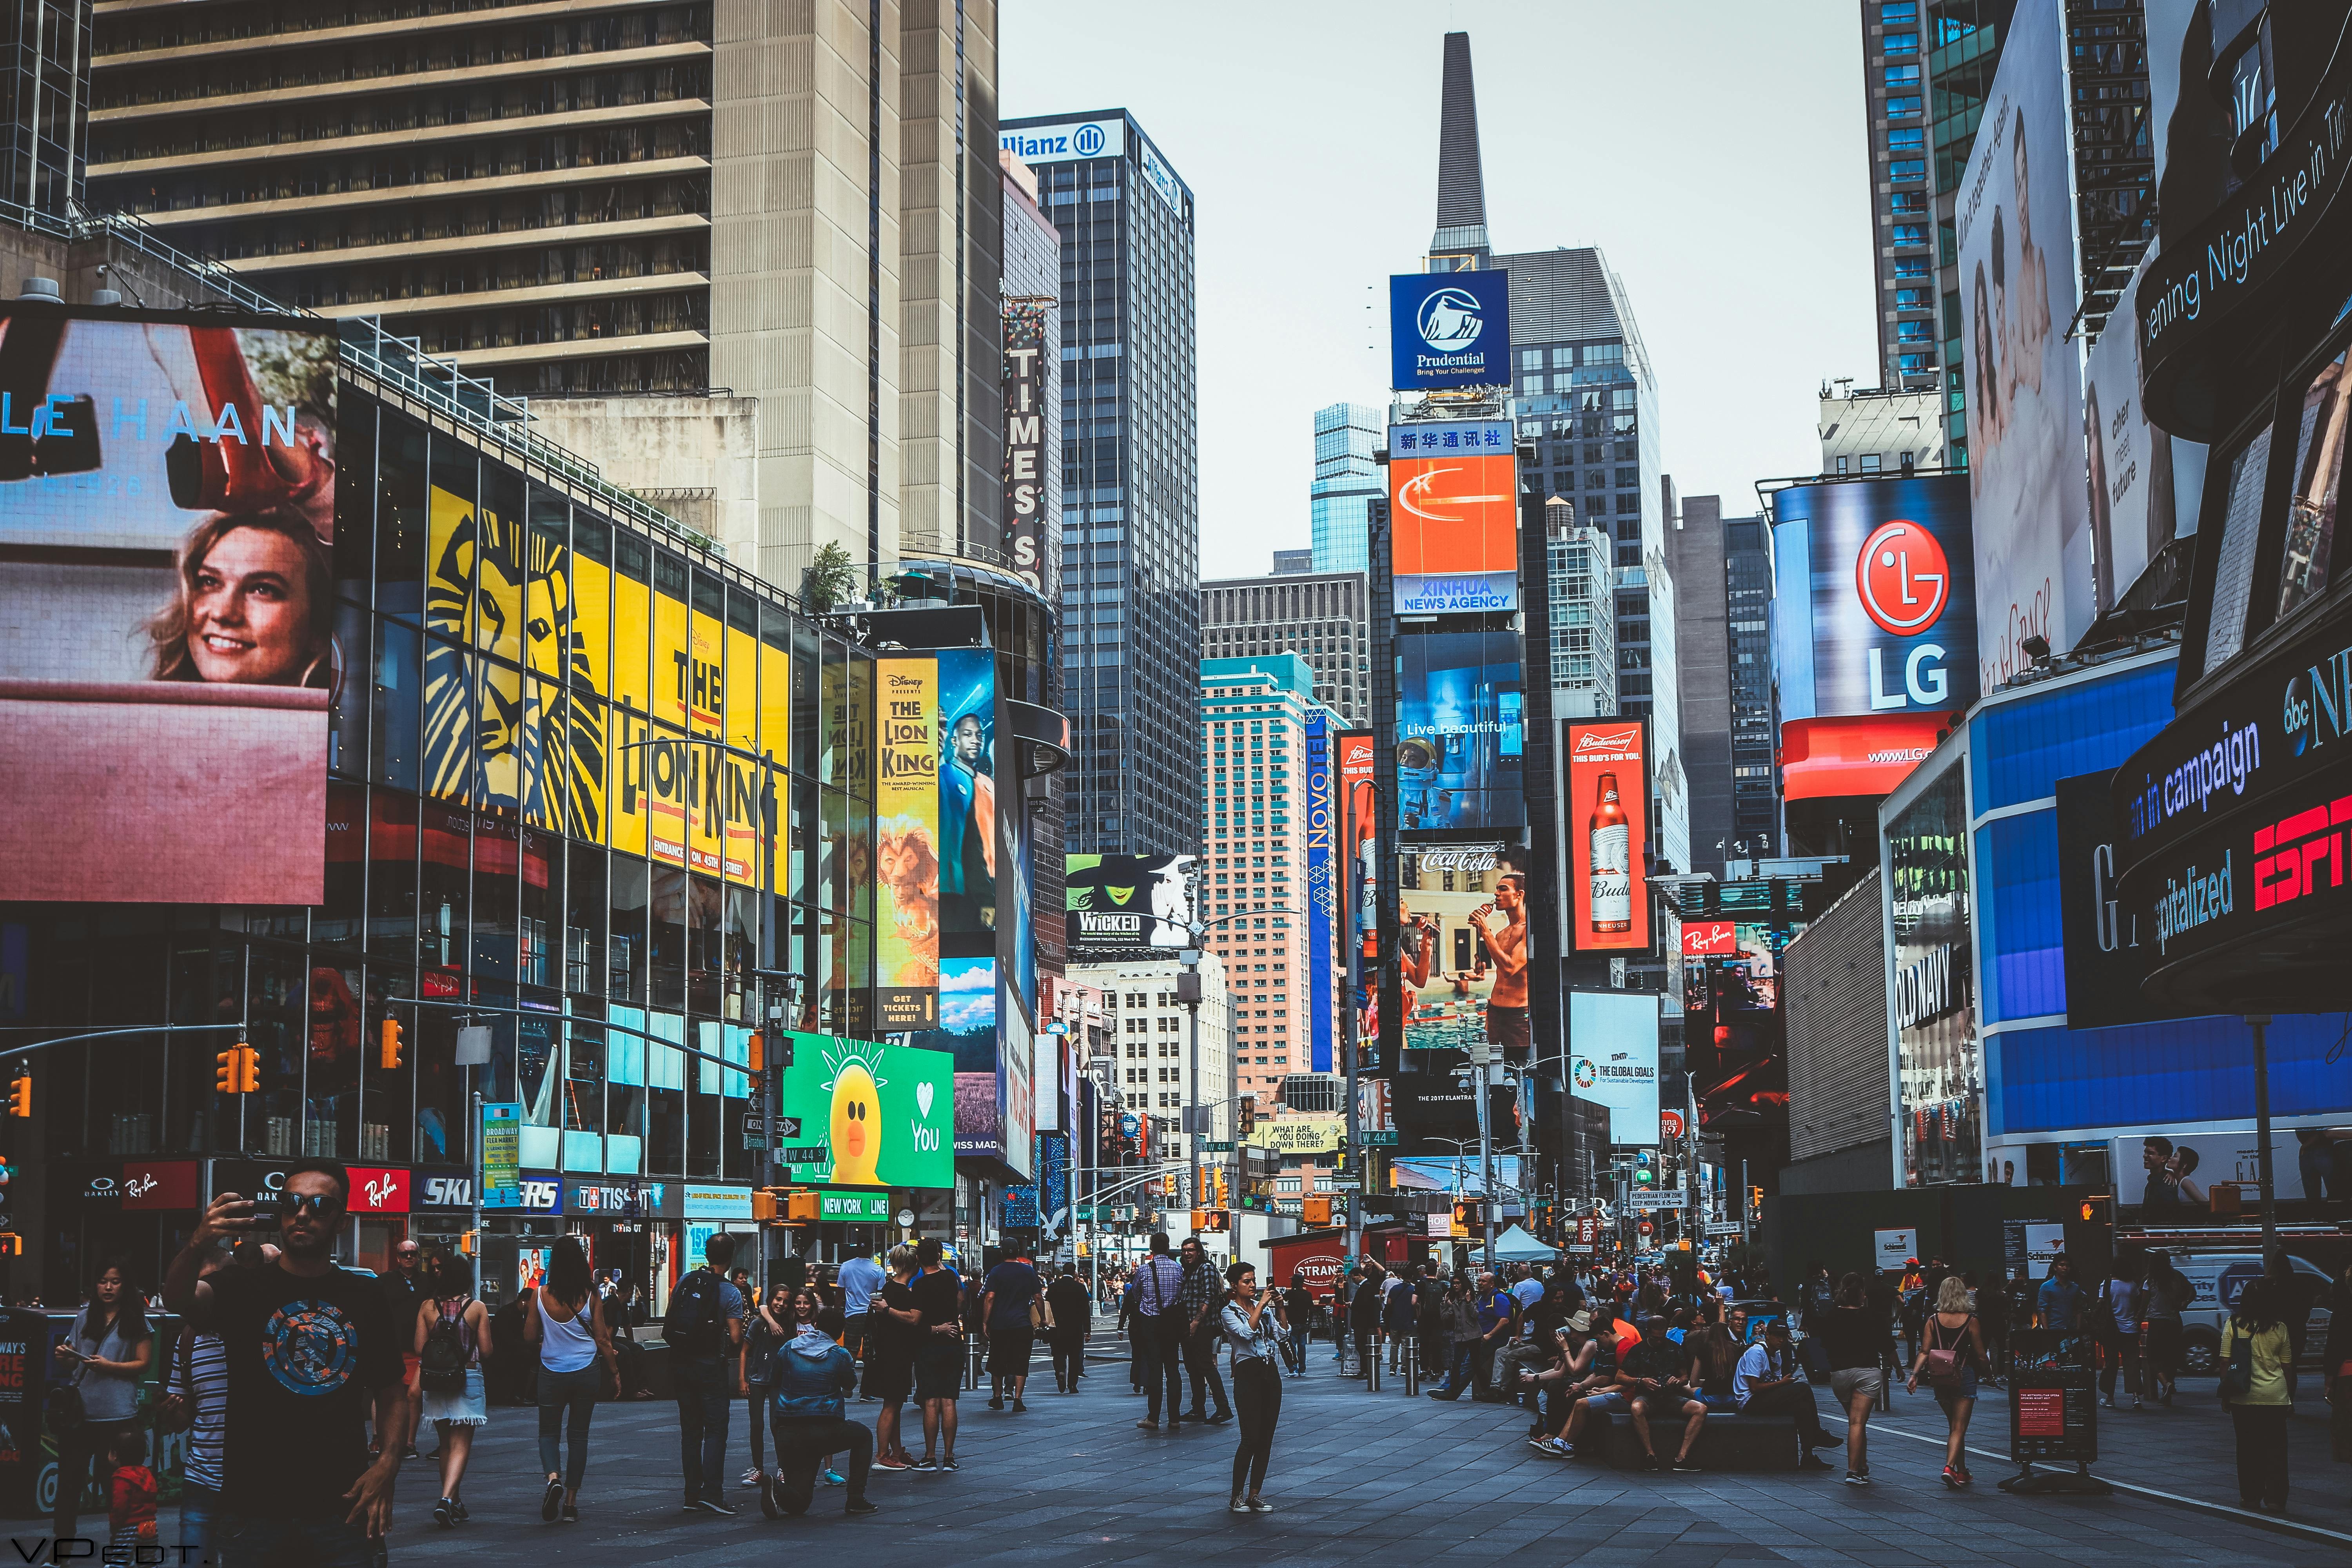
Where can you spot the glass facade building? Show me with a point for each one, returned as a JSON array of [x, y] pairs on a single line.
[[45, 49], [1346, 482], [552, 739], [1130, 507]]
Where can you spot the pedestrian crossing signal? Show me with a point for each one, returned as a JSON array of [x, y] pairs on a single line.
[[224, 1079], [1315, 1211]]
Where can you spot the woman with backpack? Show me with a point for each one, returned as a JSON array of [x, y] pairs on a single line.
[[453, 1336], [564, 1317], [2257, 1362], [1951, 1352], [108, 1350]]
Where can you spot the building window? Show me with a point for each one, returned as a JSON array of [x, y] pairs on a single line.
[[1902, 107]]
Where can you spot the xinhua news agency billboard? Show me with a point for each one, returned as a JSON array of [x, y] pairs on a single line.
[[1449, 329], [1453, 517], [1875, 627], [163, 730]]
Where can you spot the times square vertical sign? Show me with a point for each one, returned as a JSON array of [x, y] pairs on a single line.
[[1024, 439]]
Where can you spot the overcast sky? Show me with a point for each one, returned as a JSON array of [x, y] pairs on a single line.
[[1713, 150]]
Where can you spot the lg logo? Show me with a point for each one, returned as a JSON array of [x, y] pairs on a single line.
[[1904, 582]]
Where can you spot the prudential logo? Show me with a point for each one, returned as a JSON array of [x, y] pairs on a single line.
[[1449, 320], [1087, 142]]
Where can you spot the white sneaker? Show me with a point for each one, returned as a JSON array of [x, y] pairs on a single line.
[[1238, 1505], [752, 1476]]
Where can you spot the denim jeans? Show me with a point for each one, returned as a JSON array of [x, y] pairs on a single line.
[[1461, 1373], [250, 1543], [703, 1402], [803, 1444], [199, 1514], [566, 1402]]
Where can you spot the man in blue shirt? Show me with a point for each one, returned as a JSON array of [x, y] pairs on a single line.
[[1497, 1317], [1766, 1383], [2060, 1301], [860, 1277]]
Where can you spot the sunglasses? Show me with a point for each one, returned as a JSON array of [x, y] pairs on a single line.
[[326, 1206]]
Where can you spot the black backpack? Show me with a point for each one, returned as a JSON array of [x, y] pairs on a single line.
[[694, 1325], [441, 1365]]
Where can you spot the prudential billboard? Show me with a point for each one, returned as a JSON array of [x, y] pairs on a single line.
[[1449, 329]]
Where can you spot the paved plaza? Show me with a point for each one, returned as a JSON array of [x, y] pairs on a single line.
[[1357, 1475]]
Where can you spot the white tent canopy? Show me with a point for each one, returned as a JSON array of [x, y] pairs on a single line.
[[1515, 1245]]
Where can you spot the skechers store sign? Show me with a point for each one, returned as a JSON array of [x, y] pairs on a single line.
[[2236, 827]]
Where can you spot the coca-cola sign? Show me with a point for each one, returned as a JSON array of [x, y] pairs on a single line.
[[1458, 857]]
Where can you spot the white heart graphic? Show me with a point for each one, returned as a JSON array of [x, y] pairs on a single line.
[[923, 1099]]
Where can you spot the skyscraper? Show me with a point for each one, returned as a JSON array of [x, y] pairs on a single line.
[[1321, 616], [1130, 535], [1582, 584], [1927, 67], [46, 107], [800, 207], [1346, 482], [1723, 595]]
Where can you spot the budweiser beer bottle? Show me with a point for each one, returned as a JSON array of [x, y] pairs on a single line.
[[1612, 860]]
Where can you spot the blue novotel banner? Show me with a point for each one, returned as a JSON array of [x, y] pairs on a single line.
[[1449, 329], [1321, 895]]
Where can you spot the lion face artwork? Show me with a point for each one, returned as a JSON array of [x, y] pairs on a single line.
[[906, 867]]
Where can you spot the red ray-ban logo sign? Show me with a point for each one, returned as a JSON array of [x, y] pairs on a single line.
[[1902, 577], [1703, 939]]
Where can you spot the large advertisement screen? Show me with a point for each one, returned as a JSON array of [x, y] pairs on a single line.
[[2142, 483], [1875, 599], [1127, 903], [170, 646], [1606, 809], [2017, 293], [907, 846], [1449, 329], [1462, 954], [1612, 1059], [1322, 894], [884, 1113], [1461, 739], [1454, 516], [1359, 840]]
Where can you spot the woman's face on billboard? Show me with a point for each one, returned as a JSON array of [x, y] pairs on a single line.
[[250, 618]]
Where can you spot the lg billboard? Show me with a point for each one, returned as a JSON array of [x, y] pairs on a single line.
[[1875, 627]]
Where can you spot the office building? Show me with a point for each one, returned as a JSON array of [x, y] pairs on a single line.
[[1927, 67], [45, 105], [1150, 1038], [1253, 884], [1131, 537], [1321, 616], [1880, 431], [1722, 596], [1583, 615], [1346, 483], [1290, 562], [624, 199]]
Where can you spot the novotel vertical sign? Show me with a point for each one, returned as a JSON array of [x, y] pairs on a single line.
[[1321, 895]]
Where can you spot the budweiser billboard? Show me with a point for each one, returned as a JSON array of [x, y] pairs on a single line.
[[1605, 824]]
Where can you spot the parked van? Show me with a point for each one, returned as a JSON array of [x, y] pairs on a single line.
[[2219, 1278]]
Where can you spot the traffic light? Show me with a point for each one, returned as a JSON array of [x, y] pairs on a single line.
[[802, 1208], [755, 1054], [1220, 1187], [229, 1060], [20, 1094], [2098, 1211], [1168, 1184], [388, 1056], [1645, 1172], [1249, 1113], [763, 1205], [1756, 1204], [12, 1244], [1466, 1217], [1200, 1219], [248, 1072]]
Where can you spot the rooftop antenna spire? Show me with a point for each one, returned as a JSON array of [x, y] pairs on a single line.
[[1460, 242]]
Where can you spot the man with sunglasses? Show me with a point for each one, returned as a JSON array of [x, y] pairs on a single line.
[[405, 1291], [312, 1353]]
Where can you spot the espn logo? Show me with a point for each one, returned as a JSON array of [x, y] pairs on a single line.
[[2300, 855]]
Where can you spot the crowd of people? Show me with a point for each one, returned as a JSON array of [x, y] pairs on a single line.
[[303, 1385]]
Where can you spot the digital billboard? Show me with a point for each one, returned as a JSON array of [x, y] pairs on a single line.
[[1359, 840], [1464, 960], [969, 835], [1322, 894], [1606, 807], [884, 1113], [2015, 223], [1453, 518], [2143, 483], [1449, 329], [1612, 1059], [170, 646], [1460, 732], [1127, 903], [906, 843]]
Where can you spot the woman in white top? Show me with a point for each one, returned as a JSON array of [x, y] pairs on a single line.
[[1251, 1324], [565, 1318]]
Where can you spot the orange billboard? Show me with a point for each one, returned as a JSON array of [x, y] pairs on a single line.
[[1451, 514]]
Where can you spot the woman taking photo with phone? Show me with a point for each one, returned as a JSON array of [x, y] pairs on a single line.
[[1951, 1352], [1251, 1324], [565, 1318], [104, 1357], [765, 1331]]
